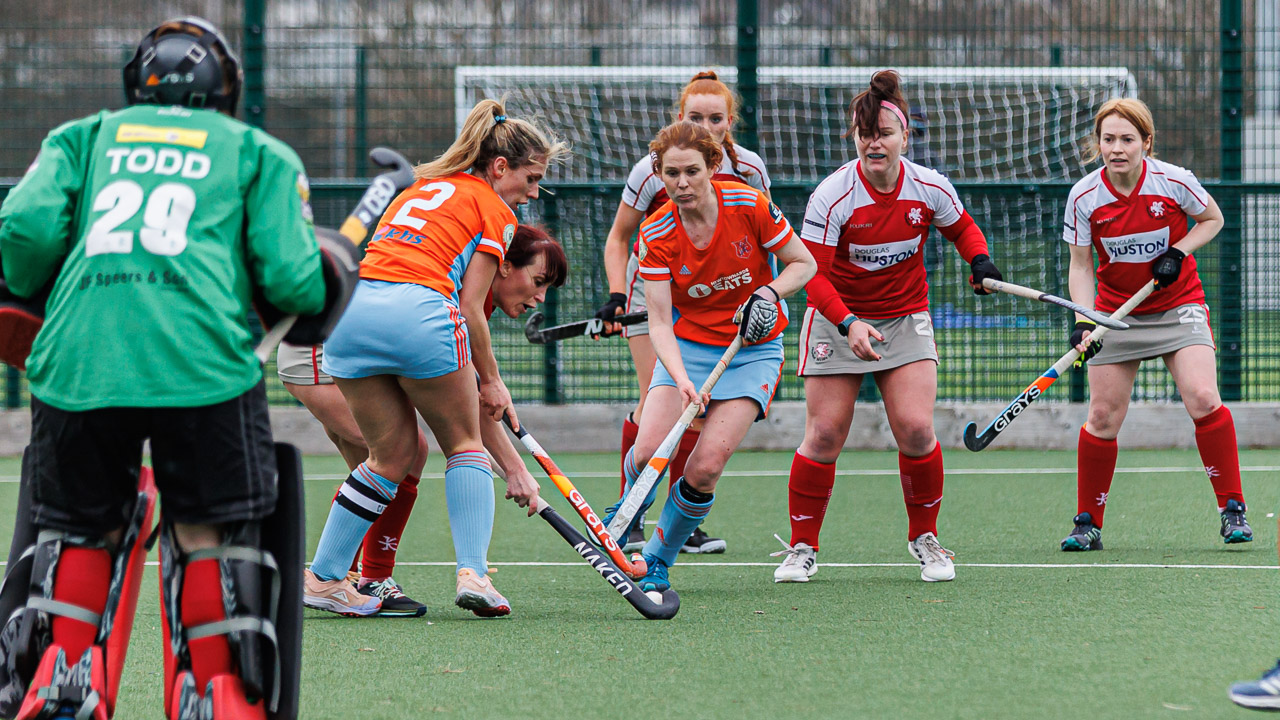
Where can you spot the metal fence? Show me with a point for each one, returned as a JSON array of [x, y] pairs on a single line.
[[1004, 91]]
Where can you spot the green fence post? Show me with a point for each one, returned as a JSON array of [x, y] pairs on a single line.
[[1230, 242], [255, 99], [362, 111], [12, 392], [748, 82], [551, 350]]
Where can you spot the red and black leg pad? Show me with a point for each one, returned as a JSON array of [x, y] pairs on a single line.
[[237, 655], [20, 320], [63, 649]]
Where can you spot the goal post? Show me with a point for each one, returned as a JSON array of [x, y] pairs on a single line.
[[980, 124]]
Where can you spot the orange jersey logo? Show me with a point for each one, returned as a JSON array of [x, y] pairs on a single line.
[[431, 231]]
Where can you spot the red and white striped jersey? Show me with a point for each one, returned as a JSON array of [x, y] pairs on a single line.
[[1130, 233], [878, 268], [646, 193]]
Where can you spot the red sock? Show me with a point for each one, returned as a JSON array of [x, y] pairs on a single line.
[[383, 538], [202, 603], [1216, 438], [1095, 467], [83, 577], [808, 492], [922, 490], [675, 470], [629, 431]]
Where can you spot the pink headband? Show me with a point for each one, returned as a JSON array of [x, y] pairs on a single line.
[[891, 107]]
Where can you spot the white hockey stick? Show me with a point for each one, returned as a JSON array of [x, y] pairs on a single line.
[[1032, 294], [662, 456]]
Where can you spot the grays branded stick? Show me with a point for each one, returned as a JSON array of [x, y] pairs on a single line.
[[592, 326], [366, 214], [976, 441], [657, 464], [575, 498], [666, 604], [1026, 292]]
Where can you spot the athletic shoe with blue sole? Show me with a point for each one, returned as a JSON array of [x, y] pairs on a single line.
[[1235, 528], [1261, 694], [1085, 536], [656, 579]]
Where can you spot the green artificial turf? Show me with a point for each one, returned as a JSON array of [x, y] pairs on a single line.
[[1095, 639]]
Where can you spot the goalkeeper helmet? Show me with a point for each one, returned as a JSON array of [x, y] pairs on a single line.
[[185, 61]]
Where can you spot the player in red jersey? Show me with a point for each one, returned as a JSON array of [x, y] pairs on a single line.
[[707, 101], [534, 263], [707, 257], [869, 313], [1133, 212], [415, 338]]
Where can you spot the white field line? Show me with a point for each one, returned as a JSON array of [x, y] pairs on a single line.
[[847, 473], [1015, 566]]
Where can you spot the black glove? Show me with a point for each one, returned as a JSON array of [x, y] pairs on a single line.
[[982, 268], [1077, 337], [756, 317], [614, 306], [1168, 267]]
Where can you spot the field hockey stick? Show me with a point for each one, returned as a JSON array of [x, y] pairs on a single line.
[[1031, 294], [579, 503], [976, 442], [657, 464], [592, 326], [652, 605], [366, 214]]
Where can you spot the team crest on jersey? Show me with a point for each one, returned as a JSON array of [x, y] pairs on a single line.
[[775, 213], [915, 217], [508, 233], [821, 352], [304, 194], [742, 248], [1157, 209]]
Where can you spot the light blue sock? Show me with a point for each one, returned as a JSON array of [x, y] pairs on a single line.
[[360, 501], [468, 492], [679, 519]]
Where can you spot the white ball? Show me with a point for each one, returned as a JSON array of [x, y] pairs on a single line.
[[655, 596]]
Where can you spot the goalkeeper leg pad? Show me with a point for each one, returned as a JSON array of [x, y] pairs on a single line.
[[240, 659], [63, 645]]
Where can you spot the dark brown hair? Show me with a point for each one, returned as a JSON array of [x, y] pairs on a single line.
[[864, 111]]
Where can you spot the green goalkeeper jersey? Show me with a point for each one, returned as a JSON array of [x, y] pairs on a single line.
[[157, 223]]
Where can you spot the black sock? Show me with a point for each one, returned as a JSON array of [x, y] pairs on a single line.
[[688, 493]]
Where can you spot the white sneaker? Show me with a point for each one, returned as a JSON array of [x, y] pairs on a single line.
[[800, 563], [935, 560]]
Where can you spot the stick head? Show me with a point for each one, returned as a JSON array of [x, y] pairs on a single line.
[[971, 439], [400, 172], [532, 329]]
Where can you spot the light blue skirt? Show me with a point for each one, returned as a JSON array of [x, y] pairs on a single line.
[[400, 329]]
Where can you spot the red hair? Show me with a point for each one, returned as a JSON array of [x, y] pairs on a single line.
[[708, 82], [529, 242], [689, 136]]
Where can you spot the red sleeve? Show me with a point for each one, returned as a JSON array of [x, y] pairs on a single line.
[[967, 237], [822, 294]]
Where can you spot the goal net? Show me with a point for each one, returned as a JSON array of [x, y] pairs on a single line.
[[1008, 123]]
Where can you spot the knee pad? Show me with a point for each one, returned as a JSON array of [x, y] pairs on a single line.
[[260, 565], [37, 677]]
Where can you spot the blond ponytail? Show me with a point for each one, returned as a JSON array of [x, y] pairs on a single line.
[[488, 133]]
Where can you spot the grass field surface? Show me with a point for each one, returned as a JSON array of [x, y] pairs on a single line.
[[1157, 625]]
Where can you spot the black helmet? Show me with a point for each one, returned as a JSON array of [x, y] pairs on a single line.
[[189, 64]]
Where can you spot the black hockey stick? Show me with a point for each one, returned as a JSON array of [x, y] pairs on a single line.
[[663, 608], [593, 326], [377, 197]]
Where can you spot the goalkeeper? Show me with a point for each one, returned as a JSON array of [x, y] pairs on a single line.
[[708, 250]]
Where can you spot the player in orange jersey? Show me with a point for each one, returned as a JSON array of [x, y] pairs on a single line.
[[707, 101], [416, 337], [707, 258]]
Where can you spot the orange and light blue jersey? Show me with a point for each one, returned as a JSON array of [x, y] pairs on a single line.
[[708, 284], [431, 231]]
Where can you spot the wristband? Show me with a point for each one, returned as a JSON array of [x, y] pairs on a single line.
[[776, 297]]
